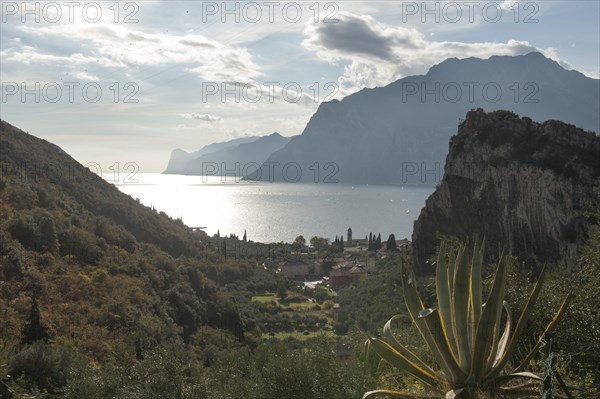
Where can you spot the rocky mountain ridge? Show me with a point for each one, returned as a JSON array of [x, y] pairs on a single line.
[[523, 185], [398, 134]]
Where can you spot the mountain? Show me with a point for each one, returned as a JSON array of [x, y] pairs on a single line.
[[55, 173], [397, 134], [102, 266], [180, 158], [524, 186], [247, 156]]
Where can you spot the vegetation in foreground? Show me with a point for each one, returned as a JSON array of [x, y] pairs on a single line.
[[464, 334], [102, 297]]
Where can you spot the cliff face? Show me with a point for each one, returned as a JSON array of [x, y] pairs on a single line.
[[520, 184]]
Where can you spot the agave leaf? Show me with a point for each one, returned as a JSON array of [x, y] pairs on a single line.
[[535, 293], [501, 345], [486, 325], [523, 374], [392, 341], [394, 358], [496, 340], [451, 266], [549, 328], [435, 333], [397, 394], [526, 385], [414, 306], [522, 393], [445, 298], [453, 393], [460, 303], [476, 289]]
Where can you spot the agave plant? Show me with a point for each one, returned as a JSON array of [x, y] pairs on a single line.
[[469, 341]]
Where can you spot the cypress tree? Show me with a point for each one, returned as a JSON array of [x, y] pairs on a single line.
[[34, 330], [391, 243]]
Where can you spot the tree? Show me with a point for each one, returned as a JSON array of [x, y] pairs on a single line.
[[341, 243], [34, 330], [319, 243], [299, 243], [245, 239], [391, 243], [281, 290], [379, 241], [47, 232], [11, 266], [224, 248]]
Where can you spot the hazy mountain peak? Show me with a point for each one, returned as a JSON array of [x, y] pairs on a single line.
[[398, 134]]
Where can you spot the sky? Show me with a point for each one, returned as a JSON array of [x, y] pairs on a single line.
[[120, 84]]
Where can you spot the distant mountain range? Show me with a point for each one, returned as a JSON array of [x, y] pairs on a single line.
[[235, 156], [399, 134]]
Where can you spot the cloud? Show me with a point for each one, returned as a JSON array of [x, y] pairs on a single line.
[[201, 117], [385, 54], [123, 46], [509, 4], [355, 35], [24, 54], [86, 76]]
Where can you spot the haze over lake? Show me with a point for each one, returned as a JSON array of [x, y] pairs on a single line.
[[273, 212]]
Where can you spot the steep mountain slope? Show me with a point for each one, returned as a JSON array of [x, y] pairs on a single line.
[[522, 185], [397, 134], [105, 269], [245, 156], [26, 157], [180, 158]]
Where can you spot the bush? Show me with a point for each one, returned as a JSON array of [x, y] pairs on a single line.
[[23, 229], [21, 197], [99, 276], [11, 266], [81, 244], [162, 373], [115, 235], [47, 234], [41, 365]]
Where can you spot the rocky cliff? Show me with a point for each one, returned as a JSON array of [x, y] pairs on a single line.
[[520, 184]]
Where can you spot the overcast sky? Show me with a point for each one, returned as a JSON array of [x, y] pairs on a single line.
[[186, 74]]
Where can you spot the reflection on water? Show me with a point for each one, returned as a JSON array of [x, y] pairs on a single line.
[[272, 212]]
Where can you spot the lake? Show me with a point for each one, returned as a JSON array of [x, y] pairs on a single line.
[[273, 212]]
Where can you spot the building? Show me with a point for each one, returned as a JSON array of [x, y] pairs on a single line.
[[349, 237], [345, 273], [300, 269]]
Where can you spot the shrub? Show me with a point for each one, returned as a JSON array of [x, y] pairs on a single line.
[[23, 228], [81, 244], [47, 234], [99, 276], [42, 365]]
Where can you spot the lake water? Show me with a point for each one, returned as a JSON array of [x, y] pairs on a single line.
[[273, 212]]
